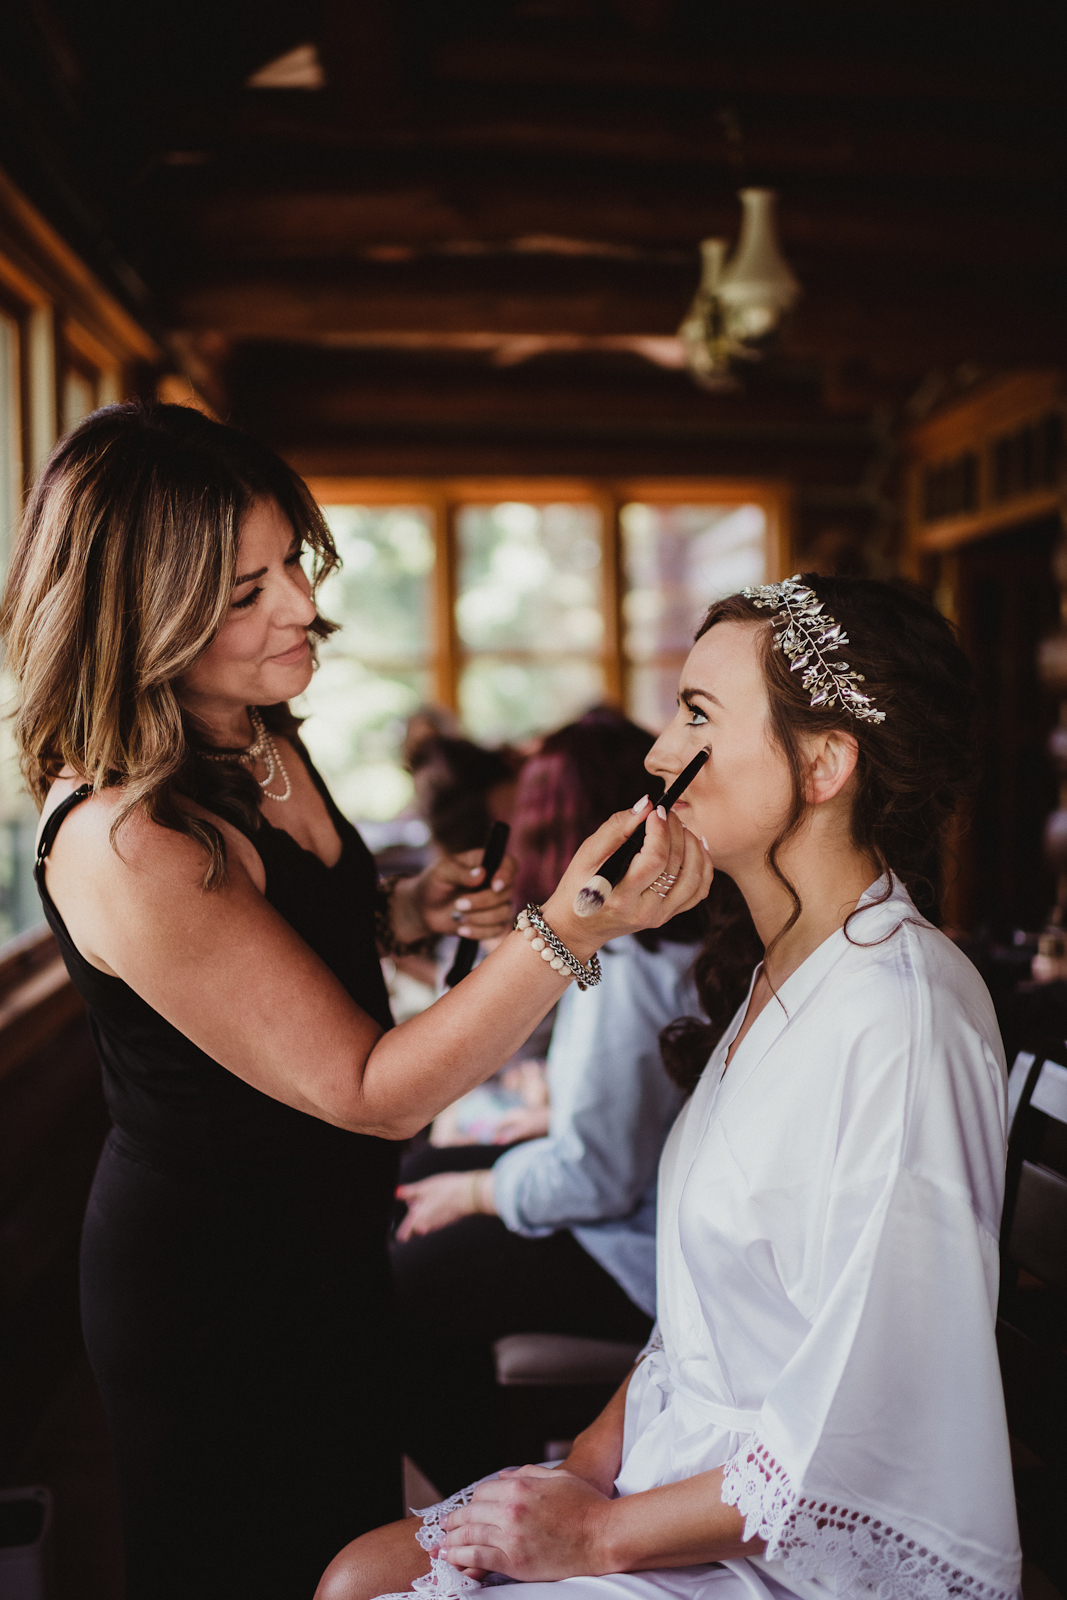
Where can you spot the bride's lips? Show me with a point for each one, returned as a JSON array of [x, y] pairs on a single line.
[[289, 658]]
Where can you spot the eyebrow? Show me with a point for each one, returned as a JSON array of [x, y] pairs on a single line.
[[247, 577], [701, 694]]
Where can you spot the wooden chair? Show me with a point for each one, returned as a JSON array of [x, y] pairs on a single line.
[[1032, 1319], [556, 1385]]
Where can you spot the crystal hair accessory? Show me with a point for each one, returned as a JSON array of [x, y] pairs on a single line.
[[809, 636]]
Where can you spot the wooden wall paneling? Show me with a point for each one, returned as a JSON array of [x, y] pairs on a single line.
[[968, 435]]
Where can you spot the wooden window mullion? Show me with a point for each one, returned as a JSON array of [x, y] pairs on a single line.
[[613, 588], [446, 651]]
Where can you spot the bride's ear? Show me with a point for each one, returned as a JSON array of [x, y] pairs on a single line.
[[832, 760]]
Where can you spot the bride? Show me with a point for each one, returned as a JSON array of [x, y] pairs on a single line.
[[819, 1409]]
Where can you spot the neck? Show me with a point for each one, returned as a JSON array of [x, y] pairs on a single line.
[[828, 873], [223, 723]]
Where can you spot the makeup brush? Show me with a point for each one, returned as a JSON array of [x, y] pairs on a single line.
[[596, 891], [492, 856]]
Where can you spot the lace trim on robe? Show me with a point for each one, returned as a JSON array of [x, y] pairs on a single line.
[[443, 1581], [862, 1555]]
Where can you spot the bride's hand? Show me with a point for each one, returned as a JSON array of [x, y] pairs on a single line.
[[670, 851], [536, 1524]]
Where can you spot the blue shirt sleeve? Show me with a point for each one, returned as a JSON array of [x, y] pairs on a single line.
[[612, 1103]]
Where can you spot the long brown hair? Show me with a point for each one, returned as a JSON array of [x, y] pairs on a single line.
[[120, 579], [912, 770]]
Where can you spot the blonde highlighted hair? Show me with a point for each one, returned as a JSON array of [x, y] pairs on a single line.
[[120, 579]]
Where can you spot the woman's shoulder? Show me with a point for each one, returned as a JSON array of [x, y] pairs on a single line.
[[106, 839], [908, 964]]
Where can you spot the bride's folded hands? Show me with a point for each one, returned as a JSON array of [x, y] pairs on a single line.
[[540, 1524]]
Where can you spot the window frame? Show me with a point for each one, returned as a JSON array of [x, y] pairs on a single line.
[[444, 496]]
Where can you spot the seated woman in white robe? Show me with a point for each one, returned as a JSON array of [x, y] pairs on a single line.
[[819, 1410]]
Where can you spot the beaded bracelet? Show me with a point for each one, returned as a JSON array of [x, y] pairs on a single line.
[[383, 925], [532, 925]]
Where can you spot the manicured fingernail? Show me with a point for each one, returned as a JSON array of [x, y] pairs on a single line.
[[464, 932], [476, 873], [704, 842], [463, 905], [498, 884], [661, 814], [640, 806]]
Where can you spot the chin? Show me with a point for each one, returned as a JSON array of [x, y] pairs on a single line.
[[285, 683]]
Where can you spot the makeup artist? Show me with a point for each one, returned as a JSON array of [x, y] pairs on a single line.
[[218, 914]]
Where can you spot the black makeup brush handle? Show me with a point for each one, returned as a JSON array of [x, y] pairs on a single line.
[[492, 856], [614, 868]]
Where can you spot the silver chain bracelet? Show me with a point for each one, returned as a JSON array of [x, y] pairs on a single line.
[[532, 925]]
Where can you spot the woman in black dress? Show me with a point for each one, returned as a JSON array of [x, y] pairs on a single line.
[[222, 920]]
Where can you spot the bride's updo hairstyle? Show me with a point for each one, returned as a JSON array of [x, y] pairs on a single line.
[[912, 772], [120, 579]]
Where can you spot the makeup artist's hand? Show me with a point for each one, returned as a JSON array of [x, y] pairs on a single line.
[[669, 849], [455, 884]]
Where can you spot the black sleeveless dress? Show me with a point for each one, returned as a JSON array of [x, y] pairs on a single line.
[[236, 1299]]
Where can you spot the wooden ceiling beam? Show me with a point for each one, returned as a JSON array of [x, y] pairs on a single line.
[[725, 68], [491, 399], [578, 216], [262, 307], [410, 451]]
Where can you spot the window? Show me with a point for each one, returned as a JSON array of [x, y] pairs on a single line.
[[378, 669], [677, 559], [17, 909], [517, 605], [529, 616], [55, 366]]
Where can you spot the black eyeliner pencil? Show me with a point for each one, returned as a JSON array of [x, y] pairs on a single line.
[[492, 856], [596, 891]]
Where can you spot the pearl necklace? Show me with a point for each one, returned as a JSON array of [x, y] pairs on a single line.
[[262, 749]]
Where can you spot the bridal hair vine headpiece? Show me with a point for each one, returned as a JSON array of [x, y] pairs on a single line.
[[808, 635]]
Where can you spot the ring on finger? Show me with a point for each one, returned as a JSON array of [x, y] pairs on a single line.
[[664, 884]]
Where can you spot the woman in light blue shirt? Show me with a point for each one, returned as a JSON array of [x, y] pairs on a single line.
[[555, 1235]]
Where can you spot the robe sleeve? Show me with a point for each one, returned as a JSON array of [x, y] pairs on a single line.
[[879, 1460]]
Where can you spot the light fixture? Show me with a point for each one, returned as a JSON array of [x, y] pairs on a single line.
[[740, 301]]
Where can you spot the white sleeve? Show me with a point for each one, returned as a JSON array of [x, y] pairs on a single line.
[[880, 1457], [612, 1102]]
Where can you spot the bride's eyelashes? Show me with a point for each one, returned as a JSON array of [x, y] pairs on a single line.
[[698, 718]]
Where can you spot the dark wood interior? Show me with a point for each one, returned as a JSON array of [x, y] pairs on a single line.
[[470, 249], [467, 252]]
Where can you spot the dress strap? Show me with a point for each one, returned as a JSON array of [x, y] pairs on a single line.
[[52, 826]]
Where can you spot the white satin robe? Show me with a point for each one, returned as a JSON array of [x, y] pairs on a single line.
[[827, 1283]]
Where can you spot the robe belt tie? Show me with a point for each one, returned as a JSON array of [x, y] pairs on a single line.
[[731, 1417]]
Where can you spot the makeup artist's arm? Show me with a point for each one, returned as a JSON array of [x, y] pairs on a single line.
[[232, 975]]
